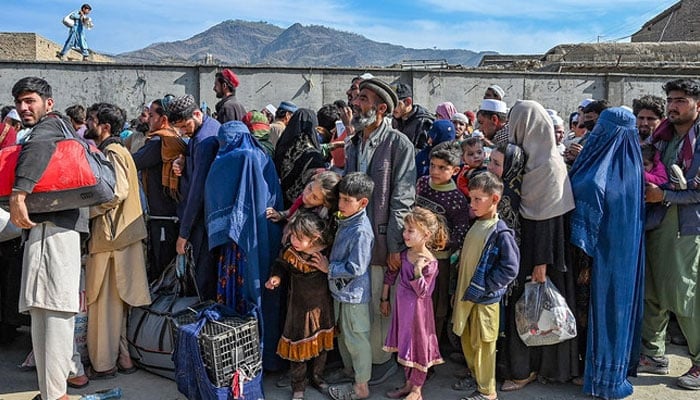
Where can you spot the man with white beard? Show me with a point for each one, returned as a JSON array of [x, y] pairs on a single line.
[[387, 156]]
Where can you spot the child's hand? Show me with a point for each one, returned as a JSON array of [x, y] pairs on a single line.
[[273, 215], [385, 308], [420, 263], [320, 262], [273, 283]]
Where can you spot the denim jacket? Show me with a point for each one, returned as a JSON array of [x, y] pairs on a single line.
[[348, 269], [498, 266]]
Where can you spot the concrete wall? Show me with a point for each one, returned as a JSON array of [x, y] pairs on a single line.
[[131, 86]]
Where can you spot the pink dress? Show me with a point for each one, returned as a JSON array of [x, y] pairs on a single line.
[[412, 330]]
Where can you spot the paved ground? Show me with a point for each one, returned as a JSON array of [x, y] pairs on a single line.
[[18, 385]]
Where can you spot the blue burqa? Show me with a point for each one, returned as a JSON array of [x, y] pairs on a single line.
[[241, 184], [608, 225]]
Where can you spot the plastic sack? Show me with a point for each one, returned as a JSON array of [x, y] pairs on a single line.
[[68, 22], [542, 316]]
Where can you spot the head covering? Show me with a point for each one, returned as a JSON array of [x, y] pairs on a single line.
[[472, 117], [443, 130], [585, 102], [230, 77], [403, 91], [460, 118], [297, 152], [13, 115], [492, 105], [445, 110], [271, 109], [366, 76], [557, 121], [383, 91], [287, 106], [497, 89], [509, 206], [608, 225], [177, 107], [260, 129], [546, 191]]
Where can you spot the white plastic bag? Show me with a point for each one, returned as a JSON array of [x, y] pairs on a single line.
[[542, 316], [68, 21], [8, 230]]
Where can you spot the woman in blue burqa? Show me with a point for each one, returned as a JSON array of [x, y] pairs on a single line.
[[241, 184], [608, 225]]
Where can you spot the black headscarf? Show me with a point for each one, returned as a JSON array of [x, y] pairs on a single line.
[[297, 152], [513, 164]]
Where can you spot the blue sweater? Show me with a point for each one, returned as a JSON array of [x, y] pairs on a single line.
[[348, 270], [498, 266]]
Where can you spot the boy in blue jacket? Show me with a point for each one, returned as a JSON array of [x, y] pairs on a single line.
[[488, 263], [348, 278]]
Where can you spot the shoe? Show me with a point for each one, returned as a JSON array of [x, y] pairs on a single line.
[[97, 375], [127, 371], [691, 379], [59, 55], [653, 365], [85, 58], [284, 380], [78, 382], [464, 384], [677, 177], [382, 372], [319, 384]]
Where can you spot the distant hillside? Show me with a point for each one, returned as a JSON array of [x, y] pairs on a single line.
[[259, 43]]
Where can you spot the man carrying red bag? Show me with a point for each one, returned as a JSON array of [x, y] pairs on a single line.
[[51, 264]]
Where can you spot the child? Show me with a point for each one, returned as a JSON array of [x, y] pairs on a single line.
[[473, 157], [319, 195], [438, 193], [488, 263], [308, 329], [412, 330], [348, 279], [654, 169]]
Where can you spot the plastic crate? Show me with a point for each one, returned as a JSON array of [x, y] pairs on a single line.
[[227, 346]]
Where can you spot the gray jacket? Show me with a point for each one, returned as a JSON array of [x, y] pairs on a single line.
[[392, 167]]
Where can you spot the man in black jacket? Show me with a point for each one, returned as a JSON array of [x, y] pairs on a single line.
[[51, 264], [412, 119]]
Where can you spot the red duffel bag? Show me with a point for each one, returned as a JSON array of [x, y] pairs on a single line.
[[77, 176]]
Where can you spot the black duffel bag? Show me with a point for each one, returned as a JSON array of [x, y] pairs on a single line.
[[149, 328]]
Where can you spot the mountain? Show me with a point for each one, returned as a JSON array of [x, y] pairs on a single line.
[[239, 42]]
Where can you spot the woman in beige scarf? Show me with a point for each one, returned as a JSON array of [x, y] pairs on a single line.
[[545, 197]]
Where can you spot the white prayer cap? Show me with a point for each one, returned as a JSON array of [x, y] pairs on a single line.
[[13, 115], [585, 102], [271, 109], [494, 106], [497, 89]]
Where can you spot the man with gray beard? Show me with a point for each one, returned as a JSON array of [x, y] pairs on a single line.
[[387, 156]]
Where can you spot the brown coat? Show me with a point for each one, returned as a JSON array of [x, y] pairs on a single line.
[[117, 231]]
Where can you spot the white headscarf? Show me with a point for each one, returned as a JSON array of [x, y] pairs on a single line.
[[546, 190]]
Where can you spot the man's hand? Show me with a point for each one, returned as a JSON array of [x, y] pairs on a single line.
[[178, 165], [653, 194], [180, 245], [18, 210], [394, 261]]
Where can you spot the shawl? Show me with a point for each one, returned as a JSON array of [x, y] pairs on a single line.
[[445, 110], [546, 191], [664, 133], [509, 206], [608, 225], [298, 151], [171, 147]]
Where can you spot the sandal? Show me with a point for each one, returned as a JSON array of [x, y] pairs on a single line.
[[343, 392], [477, 395], [511, 385]]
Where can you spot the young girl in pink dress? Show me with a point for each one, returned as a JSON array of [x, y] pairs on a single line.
[[412, 331]]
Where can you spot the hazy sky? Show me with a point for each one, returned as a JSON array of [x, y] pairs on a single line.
[[508, 27]]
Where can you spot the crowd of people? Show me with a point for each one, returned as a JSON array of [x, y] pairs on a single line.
[[372, 229]]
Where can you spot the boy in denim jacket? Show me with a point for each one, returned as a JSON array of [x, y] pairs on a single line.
[[349, 280]]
